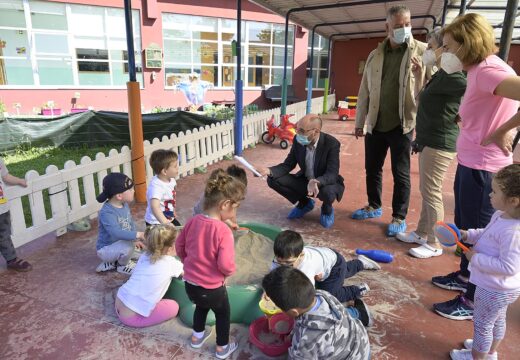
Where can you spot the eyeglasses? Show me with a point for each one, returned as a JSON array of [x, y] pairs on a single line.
[[290, 262]]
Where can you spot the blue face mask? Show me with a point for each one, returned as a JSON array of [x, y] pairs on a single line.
[[402, 34], [302, 139]]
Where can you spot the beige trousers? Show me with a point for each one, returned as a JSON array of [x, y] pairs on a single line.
[[433, 165]]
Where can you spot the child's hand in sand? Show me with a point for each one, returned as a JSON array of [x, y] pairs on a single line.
[[318, 277], [140, 245]]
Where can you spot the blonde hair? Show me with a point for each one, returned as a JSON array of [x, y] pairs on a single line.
[[475, 35], [158, 238], [220, 187]]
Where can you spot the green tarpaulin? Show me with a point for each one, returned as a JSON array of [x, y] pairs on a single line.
[[93, 128]]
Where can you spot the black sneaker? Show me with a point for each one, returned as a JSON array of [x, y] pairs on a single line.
[[364, 314], [456, 309], [450, 282]]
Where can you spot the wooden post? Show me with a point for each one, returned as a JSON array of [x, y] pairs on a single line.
[[136, 140]]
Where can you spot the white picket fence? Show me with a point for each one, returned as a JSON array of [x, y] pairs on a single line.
[[61, 187]]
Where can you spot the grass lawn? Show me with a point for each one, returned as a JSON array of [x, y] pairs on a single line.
[[20, 161]]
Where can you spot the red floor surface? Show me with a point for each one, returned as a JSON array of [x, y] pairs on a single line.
[[64, 310]]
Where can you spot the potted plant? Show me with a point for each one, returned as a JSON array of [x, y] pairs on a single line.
[[78, 109], [50, 109]]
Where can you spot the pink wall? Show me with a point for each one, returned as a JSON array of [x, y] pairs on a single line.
[[154, 93]]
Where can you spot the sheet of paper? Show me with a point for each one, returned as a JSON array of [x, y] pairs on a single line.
[[247, 165]]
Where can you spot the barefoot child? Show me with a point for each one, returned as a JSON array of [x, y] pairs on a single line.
[[6, 244], [139, 301], [495, 267], [117, 237], [161, 193], [206, 247]]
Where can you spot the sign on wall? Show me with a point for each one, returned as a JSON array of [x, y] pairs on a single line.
[[153, 56]]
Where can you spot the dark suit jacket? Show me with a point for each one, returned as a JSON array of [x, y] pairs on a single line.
[[326, 161]]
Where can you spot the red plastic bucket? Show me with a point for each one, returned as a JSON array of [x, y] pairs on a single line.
[[268, 342]]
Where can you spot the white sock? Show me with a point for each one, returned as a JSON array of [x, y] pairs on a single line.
[[198, 335]]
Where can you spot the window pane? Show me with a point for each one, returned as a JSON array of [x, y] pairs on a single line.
[[279, 35], [45, 15], [259, 55], [229, 75], [279, 54], [229, 29], [177, 26], [176, 34], [259, 32], [324, 60], [16, 72], [258, 76], [90, 42], [55, 71], [177, 74], [204, 28], [87, 20], [120, 73], [51, 44], [206, 53], [177, 51], [207, 73], [94, 73], [228, 54], [16, 43], [93, 54], [11, 13], [277, 76]]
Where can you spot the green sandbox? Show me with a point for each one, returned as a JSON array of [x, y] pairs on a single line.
[[243, 299]]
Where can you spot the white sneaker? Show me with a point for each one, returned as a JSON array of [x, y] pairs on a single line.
[[410, 238], [463, 354], [106, 266], [363, 289], [368, 264], [126, 269], [425, 251], [468, 344]]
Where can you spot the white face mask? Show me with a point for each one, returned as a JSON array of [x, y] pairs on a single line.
[[429, 58], [402, 34], [450, 63]]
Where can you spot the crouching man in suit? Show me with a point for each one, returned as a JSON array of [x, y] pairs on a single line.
[[317, 155]]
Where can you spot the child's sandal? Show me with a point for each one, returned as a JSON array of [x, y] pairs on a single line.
[[20, 265]]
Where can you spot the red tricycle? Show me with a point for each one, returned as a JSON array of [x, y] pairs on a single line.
[[285, 131]]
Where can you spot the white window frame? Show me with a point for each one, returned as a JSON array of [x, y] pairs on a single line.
[[31, 51], [220, 48], [317, 47]]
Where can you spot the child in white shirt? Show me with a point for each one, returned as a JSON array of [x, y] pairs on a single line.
[[139, 301], [161, 193], [325, 268]]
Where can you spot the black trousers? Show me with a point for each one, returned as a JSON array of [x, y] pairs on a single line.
[[376, 148], [340, 271], [206, 300], [294, 189], [473, 209]]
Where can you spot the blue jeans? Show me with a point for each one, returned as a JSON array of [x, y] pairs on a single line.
[[473, 208], [340, 271]]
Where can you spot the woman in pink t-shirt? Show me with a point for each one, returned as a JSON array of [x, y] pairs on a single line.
[[490, 101]]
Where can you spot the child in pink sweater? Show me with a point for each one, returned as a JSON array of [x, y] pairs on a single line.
[[495, 267], [206, 247]]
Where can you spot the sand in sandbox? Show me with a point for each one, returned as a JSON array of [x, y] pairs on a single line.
[[269, 338], [282, 327], [253, 257]]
